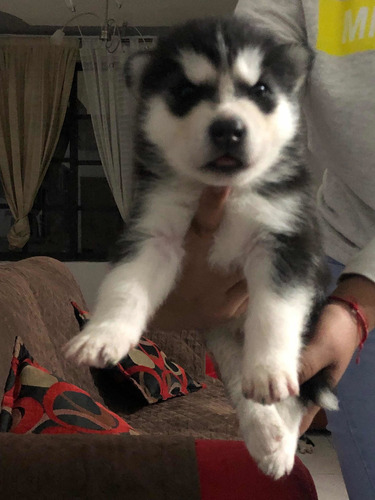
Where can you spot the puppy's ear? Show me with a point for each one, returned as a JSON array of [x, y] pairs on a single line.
[[134, 70], [291, 64]]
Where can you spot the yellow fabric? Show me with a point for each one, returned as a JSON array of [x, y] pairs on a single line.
[[35, 84], [346, 26]]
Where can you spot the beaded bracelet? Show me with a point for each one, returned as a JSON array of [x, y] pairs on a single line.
[[360, 317]]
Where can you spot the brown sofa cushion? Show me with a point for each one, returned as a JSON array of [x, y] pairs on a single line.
[[204, 414], [185, 347], [21, 315], [35, 303]]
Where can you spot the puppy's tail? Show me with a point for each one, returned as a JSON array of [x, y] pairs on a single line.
[[319, 390]]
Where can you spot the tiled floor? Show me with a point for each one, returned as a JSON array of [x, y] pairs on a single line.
[[325, 469]]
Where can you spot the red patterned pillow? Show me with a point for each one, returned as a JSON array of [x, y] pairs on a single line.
[[35, 401], [81, 315], [157, 377]]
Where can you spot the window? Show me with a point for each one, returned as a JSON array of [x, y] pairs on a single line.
[[74, 216]]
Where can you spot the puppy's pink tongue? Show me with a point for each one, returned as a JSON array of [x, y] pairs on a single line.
[[225, 161]]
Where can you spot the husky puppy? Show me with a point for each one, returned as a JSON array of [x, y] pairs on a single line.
[[218, 104]]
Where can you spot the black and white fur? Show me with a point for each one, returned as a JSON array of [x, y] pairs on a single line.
[[218, 104]]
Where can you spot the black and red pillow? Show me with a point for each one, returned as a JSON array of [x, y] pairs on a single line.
[[35, 401], [157, 377], [150, 370]]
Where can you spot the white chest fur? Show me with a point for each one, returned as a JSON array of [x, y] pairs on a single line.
[[248, 218]]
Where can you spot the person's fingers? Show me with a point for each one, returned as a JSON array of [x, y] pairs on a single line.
[[210, 210], [233, 284], [242, 308], [238, 292], [238, 298]]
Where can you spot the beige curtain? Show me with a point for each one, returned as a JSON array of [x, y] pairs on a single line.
[[35, 83], [111, 107]]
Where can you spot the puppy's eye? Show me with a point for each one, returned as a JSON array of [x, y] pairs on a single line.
[[184, 91], [261, 89]]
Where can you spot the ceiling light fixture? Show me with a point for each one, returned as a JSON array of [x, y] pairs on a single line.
[[108, 28], [70, 4], [58, 36]]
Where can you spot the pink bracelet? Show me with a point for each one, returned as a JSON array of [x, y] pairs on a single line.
[[360, 317]]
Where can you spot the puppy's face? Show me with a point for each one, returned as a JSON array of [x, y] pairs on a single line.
[[218, 100]]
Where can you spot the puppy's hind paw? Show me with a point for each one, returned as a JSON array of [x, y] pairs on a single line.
[[280, 462], [270, 443]]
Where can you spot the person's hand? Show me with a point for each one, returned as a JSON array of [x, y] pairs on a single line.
[[337, 336], [203, 297]]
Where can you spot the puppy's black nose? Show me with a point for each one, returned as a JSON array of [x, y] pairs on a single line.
[[226, 133]]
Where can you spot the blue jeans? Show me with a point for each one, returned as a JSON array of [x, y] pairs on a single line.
[[353, 427]]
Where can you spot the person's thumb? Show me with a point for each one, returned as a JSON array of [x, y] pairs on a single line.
[[210, 210]]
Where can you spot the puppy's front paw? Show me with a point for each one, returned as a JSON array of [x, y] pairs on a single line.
[[268, 384], [101, 344]]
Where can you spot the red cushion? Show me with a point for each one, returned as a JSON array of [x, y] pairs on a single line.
[[227, 471]]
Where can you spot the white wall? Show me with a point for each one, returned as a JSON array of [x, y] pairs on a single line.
[[89, 275], [134, 12]]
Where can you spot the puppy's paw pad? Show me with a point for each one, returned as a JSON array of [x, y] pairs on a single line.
[[267, 385], [263, 440]]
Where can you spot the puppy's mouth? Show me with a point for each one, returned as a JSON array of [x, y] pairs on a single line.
[[225, 164]]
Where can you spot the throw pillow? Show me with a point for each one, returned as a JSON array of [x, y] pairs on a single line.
[[36, 401], [150, 370], [157, 377]]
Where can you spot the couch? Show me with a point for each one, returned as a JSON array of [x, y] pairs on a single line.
[[188, 447]]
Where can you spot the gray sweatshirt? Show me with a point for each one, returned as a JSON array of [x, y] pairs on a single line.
[[340, 115]]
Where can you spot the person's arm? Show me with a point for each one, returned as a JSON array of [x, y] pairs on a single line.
[[363, 263], [338, 335], [203, 297]]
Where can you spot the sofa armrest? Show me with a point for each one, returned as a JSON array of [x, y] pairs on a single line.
[[93, 467], [186, 347], [96, 467]]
